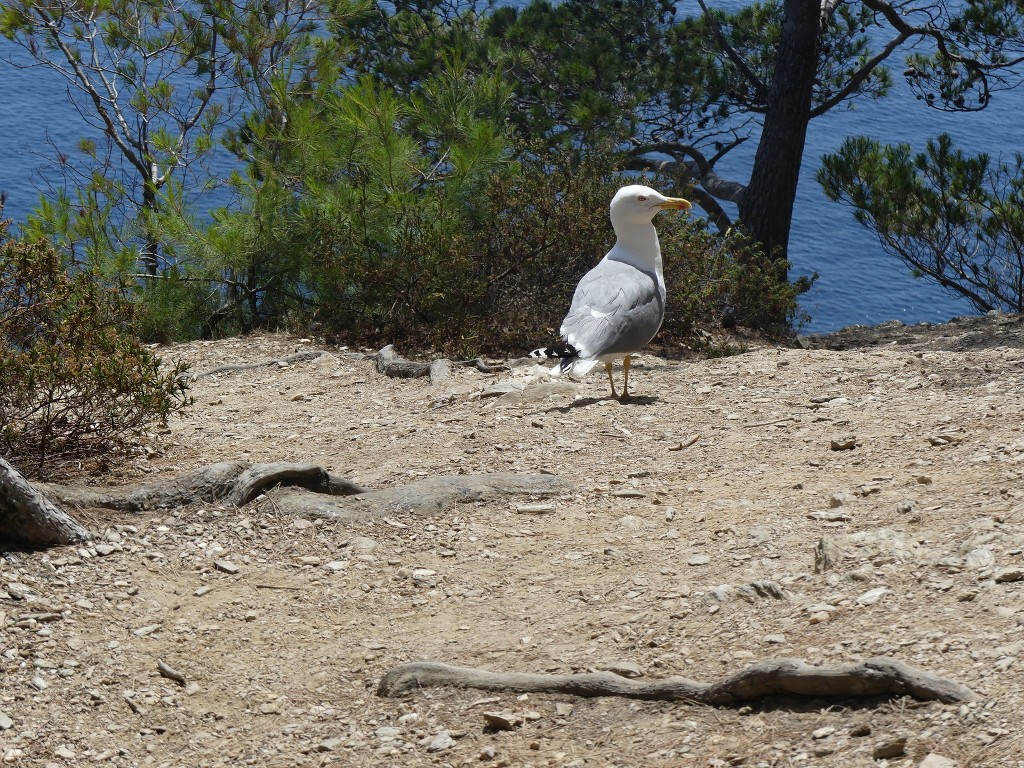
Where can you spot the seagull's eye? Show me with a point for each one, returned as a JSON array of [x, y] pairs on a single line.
[[641, 198]]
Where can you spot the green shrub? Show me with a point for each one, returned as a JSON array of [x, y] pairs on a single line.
[[75, 381]]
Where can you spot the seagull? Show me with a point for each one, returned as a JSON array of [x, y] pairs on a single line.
[[618, 306]]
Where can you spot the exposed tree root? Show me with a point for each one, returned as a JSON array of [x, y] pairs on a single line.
[[28, 518], [298, 357], [392, 364], [297, 489], [429, 496], [232, 482], [879, 676]]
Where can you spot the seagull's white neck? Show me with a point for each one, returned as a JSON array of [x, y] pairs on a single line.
[[637, 244]]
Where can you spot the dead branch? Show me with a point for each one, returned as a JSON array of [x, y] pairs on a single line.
[[298, 357], [880, 676]]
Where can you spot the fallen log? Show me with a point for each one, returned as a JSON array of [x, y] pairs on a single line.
[[879, 676]]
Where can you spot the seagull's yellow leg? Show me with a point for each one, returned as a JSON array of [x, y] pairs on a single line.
[[626, 362], [608, 368]]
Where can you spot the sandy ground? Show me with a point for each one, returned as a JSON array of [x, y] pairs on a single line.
[[901, 447]]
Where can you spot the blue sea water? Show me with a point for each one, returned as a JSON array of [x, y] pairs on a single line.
[[857, 283]]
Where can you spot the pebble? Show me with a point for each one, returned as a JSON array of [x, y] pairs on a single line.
[[508, 721], [6, 723], [329, 745], [872, 596], [363, 543], [38, 683], [830, 516], [535, 509], [441, 742], [226, 566], [980, 557], [890, 747], [935, 760], [823, 733], [336, 565], [840, 499], [843, 443], [1006, 575], [698, 560]]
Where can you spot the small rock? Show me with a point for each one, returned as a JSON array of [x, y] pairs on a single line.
[[775, 639], [872, 596], [19, 591], [5, 722], [923, 479], [935, 760], [508, 721], [270, 708], [860, 730], [387, 733], [362, 543], [698, 560], [563, 708], [890, 747], [105, 549], [329, 745], [336, 565], [487, 753], [65, 752], [830, 516], [843, 443], [38, 683], [226, 566], [441, 742], [823, 733], [1005, 575], [535, 509], [628, 493], [981, 557], [819, 618], [841, 499], [827, 554]]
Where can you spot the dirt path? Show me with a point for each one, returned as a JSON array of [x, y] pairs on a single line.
[[720, 474]]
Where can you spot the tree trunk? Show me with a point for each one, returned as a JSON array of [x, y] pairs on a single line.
[[767, 205], [28, 518], [150, 246]]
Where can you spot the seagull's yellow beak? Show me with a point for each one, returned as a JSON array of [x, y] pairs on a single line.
[[675, 204]]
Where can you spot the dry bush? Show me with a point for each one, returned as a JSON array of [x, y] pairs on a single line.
[[75, 381]]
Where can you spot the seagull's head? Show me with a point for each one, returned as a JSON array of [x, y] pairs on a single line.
[[637, 204]]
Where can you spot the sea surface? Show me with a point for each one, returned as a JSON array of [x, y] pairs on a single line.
[[857, 283]]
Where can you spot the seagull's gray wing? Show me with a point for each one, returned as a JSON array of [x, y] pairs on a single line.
[[616, 309]]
